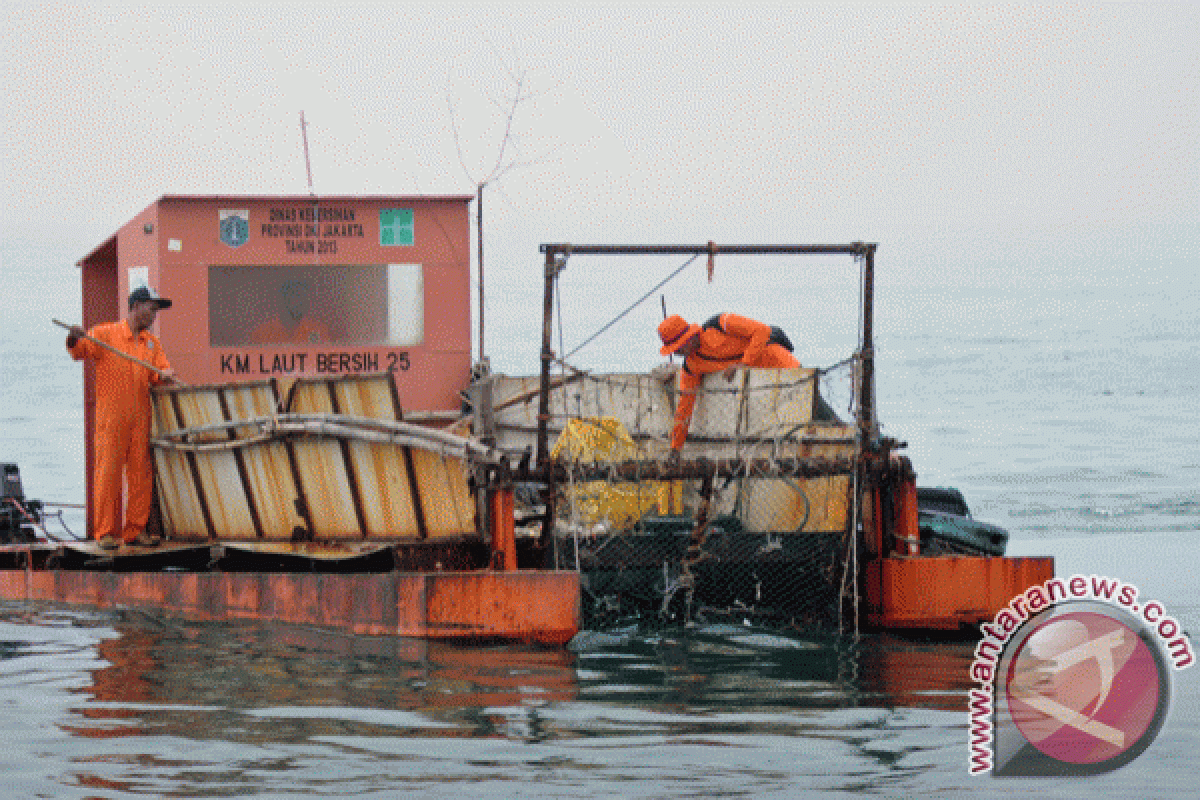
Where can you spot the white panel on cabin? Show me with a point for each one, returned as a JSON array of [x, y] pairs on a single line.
[[138, 276], [406, 304]]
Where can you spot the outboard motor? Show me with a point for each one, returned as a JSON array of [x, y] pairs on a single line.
[[16, 527]]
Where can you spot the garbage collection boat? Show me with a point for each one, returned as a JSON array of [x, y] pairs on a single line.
[[310, 469], [336, 457]]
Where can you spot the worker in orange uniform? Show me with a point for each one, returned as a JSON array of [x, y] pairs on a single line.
[[293, 324], [721, 344], [121, 435]]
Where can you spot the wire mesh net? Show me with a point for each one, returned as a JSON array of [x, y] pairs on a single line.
[[763, 538]]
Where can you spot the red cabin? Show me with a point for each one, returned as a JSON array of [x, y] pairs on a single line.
[[298, 286]]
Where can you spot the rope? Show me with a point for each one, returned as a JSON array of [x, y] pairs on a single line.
[[637, 303]]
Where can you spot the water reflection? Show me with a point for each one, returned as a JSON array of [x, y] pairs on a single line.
[[234, 680], [732, 667], [255, 681], [149, 705]]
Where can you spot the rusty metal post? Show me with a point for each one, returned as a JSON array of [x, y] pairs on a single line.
[[905, 526], [543, 419], [867, 423], [554, 262], [870, 538], [504, 544]]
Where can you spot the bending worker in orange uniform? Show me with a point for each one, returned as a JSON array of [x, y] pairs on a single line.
[[723, 343], [121, 435]]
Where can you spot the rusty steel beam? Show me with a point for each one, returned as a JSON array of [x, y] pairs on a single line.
[[558, 472], [853, 249]]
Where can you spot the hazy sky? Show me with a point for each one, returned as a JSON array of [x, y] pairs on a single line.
[[1019, 144]]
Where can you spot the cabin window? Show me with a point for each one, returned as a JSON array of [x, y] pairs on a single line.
[[273, 306]]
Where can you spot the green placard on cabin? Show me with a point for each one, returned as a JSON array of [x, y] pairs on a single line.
[[396, 227]]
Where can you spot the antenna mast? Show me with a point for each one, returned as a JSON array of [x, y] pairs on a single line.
[[307, 165]]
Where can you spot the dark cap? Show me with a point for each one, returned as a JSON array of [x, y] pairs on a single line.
[[144, 294]]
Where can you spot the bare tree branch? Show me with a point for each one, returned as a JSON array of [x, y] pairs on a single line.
[[462, 159], [509, 156], [508, 123]]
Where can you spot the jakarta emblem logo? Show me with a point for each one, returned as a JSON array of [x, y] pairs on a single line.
[[234, 226]]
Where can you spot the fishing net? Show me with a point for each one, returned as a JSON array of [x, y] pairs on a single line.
[[765, 534]]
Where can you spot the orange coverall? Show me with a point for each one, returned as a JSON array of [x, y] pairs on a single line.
[[121, 434], [307, 331], [739, 340]]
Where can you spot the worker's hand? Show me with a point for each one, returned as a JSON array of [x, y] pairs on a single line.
[[167, 376], [729, 373], [74, 334]]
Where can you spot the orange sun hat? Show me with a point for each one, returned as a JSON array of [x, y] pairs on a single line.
[[675, 332]]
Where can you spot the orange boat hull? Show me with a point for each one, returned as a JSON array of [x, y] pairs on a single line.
[[527, 605], [947, 592]]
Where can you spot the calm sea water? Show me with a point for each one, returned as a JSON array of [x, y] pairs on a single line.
[[1067, 416]]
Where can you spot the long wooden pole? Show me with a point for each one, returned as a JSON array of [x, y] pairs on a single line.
[[124, 355]]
